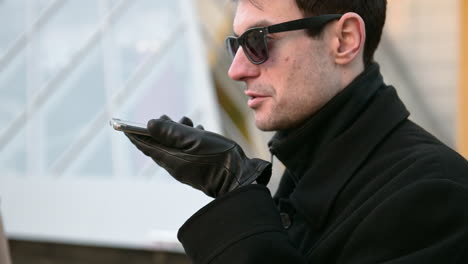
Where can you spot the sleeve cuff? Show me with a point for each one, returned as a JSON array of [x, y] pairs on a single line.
[[227, 220]]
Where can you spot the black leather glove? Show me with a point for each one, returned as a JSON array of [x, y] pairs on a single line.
[[204, 160]]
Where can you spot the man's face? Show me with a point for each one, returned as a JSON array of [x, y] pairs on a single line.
[[298, 78]]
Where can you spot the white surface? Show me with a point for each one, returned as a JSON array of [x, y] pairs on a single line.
[[127, 214]]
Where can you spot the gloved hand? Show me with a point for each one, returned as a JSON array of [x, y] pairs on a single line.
[[204, 160]]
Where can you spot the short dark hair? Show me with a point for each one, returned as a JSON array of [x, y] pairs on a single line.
[[373, 12]]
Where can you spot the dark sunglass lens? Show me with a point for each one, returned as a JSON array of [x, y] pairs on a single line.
[[232, 45], [255, 46]]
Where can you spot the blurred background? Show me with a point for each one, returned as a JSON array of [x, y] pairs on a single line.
[[73, 190]]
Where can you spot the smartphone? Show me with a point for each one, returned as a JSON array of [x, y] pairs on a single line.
[[129, 127]]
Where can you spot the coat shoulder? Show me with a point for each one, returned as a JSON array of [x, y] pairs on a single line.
[[412, 149]]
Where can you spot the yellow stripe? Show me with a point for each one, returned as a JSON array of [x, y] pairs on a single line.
[[463, 89]]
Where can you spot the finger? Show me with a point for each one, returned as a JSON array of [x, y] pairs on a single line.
[[172, 134], [186, 121], [165, 117]]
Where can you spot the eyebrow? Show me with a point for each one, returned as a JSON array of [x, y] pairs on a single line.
[[260, 23]]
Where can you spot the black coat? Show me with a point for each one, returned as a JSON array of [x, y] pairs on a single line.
[[363, 184]]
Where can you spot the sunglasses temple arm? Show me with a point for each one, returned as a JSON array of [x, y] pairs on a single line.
[[304, 23]]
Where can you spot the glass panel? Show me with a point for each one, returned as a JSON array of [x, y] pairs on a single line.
[[141, 29], [13, 156], [73, 107], [66, 33], [12, 90], [13, 14], [96, 160]]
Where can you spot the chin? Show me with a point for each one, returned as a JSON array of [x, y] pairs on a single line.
[[266, 128], [263, 125], [268, 125], [277, 124]]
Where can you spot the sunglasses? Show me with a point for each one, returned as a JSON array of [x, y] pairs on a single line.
[[254, 41]]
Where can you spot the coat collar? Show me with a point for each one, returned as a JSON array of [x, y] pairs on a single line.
[[324, 153]]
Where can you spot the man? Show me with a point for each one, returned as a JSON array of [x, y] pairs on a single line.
[[363, 184]]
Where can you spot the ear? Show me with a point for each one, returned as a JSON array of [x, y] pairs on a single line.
[[351, 36]]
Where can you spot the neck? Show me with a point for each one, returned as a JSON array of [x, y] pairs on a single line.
[[349, 72]]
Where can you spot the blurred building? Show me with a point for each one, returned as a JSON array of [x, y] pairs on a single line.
[[66, 67]]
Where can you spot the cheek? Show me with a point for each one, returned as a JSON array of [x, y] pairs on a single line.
[[296, 75], [303, 91]]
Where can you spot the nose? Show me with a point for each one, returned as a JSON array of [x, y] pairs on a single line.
[[241, 68]]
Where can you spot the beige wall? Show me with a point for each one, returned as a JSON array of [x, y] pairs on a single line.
[[462, 141], [425, 36]]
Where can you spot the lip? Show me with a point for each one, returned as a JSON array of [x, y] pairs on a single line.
[[256, 99]]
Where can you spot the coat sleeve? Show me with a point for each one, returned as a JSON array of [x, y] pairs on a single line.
[[425, 222], [243, 226]]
